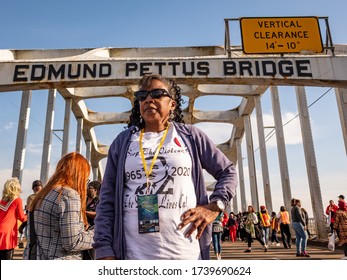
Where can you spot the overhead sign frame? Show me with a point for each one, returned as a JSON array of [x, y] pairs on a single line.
[[279, 35]]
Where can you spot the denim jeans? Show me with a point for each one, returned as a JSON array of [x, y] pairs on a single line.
[[216, 239], [274, 236], [266, 233], [301, 237]]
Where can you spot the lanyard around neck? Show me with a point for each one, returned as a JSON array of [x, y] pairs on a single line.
[[148, 172]]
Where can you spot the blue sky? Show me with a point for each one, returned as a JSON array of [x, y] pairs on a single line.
[[92, 24]]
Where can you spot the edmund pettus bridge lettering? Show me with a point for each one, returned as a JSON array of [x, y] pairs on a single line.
[[228, 68]]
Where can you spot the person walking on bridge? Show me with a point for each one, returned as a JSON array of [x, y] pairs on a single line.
[[264, 221], [253, 230], [341, 225], [284, 221], [274, 229], [331, 212], [300, 228]]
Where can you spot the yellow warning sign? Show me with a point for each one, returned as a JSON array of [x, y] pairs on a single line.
[[281, 35]]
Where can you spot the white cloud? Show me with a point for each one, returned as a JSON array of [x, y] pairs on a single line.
[[34, 148], [5, 174], [8, 126], [217, 132], [291, 130]]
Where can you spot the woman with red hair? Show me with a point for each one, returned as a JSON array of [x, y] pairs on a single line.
[[59, 210]]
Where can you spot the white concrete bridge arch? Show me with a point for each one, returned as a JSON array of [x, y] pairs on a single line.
[[78, 75]]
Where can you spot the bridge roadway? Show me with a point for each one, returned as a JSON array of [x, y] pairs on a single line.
[[235, 251], [317, 251]]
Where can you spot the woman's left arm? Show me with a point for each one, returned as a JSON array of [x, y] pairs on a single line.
[[74, 236], [255, 218], [215, 162], [20, 213], [222, 169]]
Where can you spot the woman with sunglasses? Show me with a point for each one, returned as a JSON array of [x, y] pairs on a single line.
[[153, 200]]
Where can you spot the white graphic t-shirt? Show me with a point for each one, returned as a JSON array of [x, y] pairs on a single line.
[[171, 180]]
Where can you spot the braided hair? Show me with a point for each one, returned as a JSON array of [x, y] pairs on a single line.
[[174, 90]]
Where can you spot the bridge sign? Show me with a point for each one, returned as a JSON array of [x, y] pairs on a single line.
[[281, 35]]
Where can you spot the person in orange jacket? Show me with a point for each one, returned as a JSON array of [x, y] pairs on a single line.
[[284, 221], [274, 229], [264, 220]]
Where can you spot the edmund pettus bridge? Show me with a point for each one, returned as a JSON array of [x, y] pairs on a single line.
[[79, 75]]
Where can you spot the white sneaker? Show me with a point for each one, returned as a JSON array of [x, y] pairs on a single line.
[[278, 244]]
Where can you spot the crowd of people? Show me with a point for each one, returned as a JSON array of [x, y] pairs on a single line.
[[62, 198], [257, 225], [152, 202], [337, 221]]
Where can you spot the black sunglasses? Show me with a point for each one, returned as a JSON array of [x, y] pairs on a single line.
[[156, 93]]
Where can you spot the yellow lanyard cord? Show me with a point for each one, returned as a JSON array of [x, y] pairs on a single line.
[[148, 172]]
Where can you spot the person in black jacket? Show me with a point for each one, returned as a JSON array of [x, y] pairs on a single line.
[[299, 225]]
